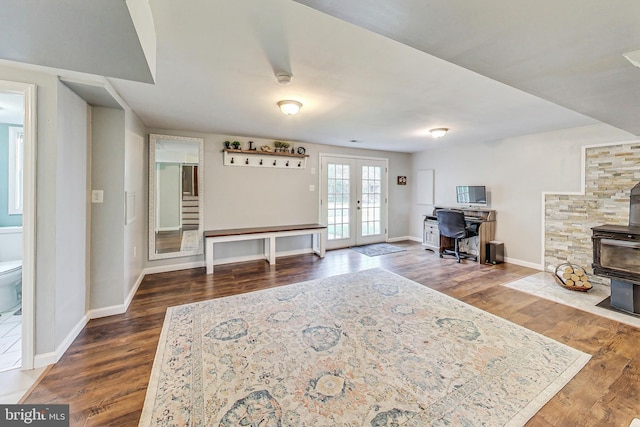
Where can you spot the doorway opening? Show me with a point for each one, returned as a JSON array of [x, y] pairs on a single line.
[[17, 224]]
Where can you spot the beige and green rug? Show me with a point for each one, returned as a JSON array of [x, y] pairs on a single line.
[[361, 349]]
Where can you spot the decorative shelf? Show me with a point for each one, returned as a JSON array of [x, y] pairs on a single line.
[[264, 159]]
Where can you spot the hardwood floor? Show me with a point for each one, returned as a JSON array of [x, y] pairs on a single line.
[[104, 374]]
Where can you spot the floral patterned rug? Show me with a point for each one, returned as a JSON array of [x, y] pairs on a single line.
[[361, 349]]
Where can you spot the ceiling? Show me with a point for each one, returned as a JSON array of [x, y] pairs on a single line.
[[105, 37], [384, 72], [569, 52]]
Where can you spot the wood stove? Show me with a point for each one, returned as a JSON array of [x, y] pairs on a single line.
[[616, 255]]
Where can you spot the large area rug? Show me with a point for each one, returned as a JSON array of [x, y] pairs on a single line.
[[376, 249], [361, 349]]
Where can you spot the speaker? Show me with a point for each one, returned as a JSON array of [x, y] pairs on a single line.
[[494, 252]]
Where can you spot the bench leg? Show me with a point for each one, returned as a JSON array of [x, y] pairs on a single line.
[[319, 240], [323, 242], [270, 249], [208, 250]]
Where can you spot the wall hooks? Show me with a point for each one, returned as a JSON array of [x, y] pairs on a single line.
[[263, 159]]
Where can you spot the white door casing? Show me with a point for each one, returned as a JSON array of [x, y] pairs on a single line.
[[29, 93]]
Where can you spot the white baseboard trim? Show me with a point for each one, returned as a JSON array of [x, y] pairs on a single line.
[[232, 260], [257, 257], [120, 308], [294, 252], [133, 291], [403, 238], [524, 263], [173, 267], [97, 313], [42, 360]]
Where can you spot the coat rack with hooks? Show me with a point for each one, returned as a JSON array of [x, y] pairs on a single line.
[[264, 159]]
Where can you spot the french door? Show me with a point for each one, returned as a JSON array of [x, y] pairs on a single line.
[[354, 200]]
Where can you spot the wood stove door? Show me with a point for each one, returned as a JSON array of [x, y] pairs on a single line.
[[621, 255]]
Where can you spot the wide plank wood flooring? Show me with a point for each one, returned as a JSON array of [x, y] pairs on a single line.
[[104, 374]]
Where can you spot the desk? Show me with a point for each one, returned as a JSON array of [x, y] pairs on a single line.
[[268, 235], [486, 231]]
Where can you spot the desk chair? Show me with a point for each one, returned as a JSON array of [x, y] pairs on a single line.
[[451, 224]]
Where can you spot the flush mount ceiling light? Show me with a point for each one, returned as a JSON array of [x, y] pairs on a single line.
[[438, 132], [289, 107]]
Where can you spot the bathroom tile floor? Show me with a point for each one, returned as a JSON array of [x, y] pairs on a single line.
[[14, 382], [10, 339]]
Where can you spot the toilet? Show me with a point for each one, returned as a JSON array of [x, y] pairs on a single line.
[[10, 284]]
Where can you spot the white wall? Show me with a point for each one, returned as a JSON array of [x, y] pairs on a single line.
[[107, 218], [118, 168], [516, 171], [71, 213], [135, 178], [253, 197]]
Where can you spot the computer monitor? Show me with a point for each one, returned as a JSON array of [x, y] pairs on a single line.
[[471, 195]]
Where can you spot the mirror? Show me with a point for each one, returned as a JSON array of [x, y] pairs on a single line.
[[176, 196]]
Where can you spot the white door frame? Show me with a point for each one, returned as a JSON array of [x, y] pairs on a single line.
[[385, 207], [29, 93]]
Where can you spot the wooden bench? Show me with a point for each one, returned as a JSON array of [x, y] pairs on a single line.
[[269, 235]]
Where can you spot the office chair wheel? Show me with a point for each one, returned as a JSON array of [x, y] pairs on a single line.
[[441, 256], [458, 261]]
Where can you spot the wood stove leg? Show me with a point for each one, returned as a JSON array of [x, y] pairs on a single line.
[[625, 296]]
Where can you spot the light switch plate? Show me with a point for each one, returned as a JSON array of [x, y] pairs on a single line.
[[312, 187], [97, 196]]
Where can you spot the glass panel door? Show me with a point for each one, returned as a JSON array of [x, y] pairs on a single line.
[[372, 198], [353, 201], [337, 201]]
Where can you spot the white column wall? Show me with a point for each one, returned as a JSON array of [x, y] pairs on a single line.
[[107, 218], [70, 213]]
